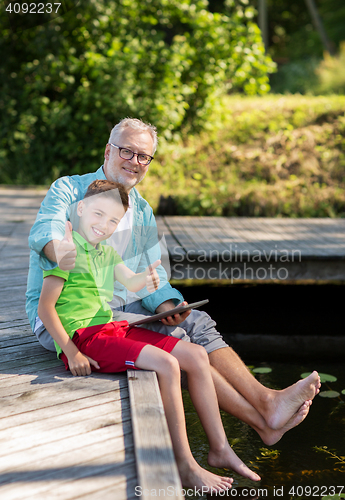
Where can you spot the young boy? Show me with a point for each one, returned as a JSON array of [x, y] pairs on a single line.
[[74, 308]]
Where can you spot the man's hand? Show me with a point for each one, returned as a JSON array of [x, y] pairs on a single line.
[[66, 252], [79, 364], [152, 278], [177, 318]]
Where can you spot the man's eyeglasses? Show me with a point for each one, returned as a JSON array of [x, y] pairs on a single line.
[[127, 154]]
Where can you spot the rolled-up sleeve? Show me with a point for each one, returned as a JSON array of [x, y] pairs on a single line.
[[51, 218]]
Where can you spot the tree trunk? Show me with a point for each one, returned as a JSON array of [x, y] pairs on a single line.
[[317, 21]]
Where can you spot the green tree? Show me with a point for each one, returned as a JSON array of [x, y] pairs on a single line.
[[64, 83]]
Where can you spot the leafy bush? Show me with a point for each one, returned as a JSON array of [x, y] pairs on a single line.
[[331, 73], [66, 82]]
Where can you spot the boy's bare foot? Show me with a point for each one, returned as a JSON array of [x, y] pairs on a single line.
[[227, 458], [270, 436], [196, 477], [282, 405]]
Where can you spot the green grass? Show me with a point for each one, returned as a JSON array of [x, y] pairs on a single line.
[[275, 156]]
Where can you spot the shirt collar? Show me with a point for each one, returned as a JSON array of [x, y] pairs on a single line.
[[85, 244], [101, 173]]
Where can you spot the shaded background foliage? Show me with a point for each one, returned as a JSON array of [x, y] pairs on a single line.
[[295, 44], [66, 82]]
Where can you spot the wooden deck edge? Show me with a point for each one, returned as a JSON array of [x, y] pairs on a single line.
[[156, 466]]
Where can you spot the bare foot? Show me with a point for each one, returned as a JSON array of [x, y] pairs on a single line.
[[284, 404], [196, 477], [227, 458], [270, 436]]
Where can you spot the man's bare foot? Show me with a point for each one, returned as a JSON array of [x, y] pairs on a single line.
[[227, 459], [196, 477], [270, 436], [282, 405]]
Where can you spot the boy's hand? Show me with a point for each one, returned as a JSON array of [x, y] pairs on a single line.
[[79, 364], [66, 251], [152, 278]]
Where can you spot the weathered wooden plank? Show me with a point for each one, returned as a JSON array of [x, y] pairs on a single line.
[[180, 235], [88, 478], [108, 461], [64, 408], [27, 365], [198, 230], [30, 378], [8, 282], [14, 263], [267, 245], [72, 442], [298, 240], [329, 233], [66, 465], [12, 294], [153, 449], [24, 437], [21, 352], [10, 313], [37, 397], [56, 374], [15, 328], [48, 429], [127, 492], [323, 237], [209, 232], [238, 238], [50, 374], [9, 341]]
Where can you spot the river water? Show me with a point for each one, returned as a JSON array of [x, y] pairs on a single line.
[[309, 461]]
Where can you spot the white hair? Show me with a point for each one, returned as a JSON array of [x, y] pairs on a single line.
[[135, 124]]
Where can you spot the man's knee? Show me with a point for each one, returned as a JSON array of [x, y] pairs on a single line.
[[200, 327]]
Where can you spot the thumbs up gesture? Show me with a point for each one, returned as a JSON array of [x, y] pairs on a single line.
[[152, 278], [66, 251]]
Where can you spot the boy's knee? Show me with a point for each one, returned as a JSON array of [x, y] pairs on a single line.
[[199, 355], [171, 365]]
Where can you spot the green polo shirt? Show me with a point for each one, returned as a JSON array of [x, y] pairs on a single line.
[[88, 287]]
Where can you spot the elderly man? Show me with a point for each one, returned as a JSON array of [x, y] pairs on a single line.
[[127, 156]]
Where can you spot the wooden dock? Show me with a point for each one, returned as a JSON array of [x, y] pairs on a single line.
[[260, 249], [64, 437]]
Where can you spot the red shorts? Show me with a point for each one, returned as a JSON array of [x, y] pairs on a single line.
[[115, 346]]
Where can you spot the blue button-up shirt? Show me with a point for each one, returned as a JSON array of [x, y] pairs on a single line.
[[143, 247]]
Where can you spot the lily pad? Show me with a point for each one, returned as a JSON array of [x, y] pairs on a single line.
[[262, 369], [343, 391], [329, 394], [324, 377]]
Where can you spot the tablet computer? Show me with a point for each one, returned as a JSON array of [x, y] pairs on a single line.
[[171, 312]]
